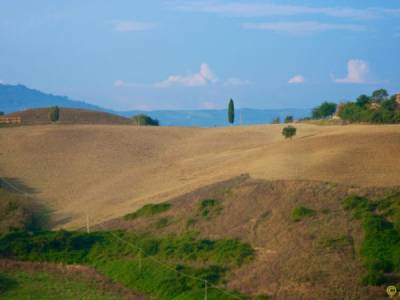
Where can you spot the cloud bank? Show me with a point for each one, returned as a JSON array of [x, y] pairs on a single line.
[[297, 79]]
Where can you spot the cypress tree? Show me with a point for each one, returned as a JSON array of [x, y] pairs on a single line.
[[54, 114], [231, 112]]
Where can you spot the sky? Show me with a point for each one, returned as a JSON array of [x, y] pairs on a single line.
[[150, 55]]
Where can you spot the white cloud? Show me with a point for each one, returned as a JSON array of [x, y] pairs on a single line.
[[301, 27], [357, 72], [236, 82], [243, 9], [297, 79], [202, 78], [131, 26]]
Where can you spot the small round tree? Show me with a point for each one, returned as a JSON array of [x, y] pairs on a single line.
[[289, 132], [144, 120], [54, 114]]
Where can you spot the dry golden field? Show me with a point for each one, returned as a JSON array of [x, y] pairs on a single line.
[[109, 170]]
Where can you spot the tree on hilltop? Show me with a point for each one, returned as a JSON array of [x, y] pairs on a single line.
[[231, 112], [54, 114]]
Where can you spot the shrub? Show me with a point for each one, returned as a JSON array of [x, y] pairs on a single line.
[[148, 210], [144, 120], [289, 132], [301, 212], [380, 248]]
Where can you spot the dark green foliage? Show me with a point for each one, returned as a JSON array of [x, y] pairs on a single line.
[[231, 112], [289, 119], [54, 114], [377, 109], [1, 113], [380, 248], [302, 212], [144, 120], [363, 100], [210, 207], [380, 95], [289, 132], [119, 260], [148, 210], [326, 109], [6, 283]]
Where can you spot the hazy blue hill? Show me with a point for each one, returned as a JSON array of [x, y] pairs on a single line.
[[19, 97]]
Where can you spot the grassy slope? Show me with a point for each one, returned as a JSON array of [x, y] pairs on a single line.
[[45, 286], [307, 245], [109, 170]]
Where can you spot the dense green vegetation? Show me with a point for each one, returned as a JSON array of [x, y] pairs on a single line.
[[379, 108], [45, 286], [301, 212], [144, 120], [289, 132], [325, 110], [138, 261], [148, 210], [380, 248]]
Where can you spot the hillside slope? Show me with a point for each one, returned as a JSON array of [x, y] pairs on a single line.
[[314, 256], [39, 116], [105, 171]]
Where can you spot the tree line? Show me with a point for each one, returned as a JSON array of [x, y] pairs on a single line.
[[378, 108]]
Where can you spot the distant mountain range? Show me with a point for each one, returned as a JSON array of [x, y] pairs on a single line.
[[19, 97]]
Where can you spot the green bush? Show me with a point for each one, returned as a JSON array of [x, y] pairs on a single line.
[[162, 223], [289, 132], [148, 210], [143, 120], [6, 283], [380, 248], [301, 212]]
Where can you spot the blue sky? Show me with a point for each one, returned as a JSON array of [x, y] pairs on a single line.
[[198, 54]]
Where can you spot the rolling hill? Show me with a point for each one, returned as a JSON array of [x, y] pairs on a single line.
[[106, 171], [39, 116]]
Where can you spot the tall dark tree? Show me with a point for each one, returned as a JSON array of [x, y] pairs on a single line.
[[362, 100], [54, 114], [231, 112]]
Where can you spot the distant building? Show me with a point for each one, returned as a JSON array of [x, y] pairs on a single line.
[[10, 120]]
